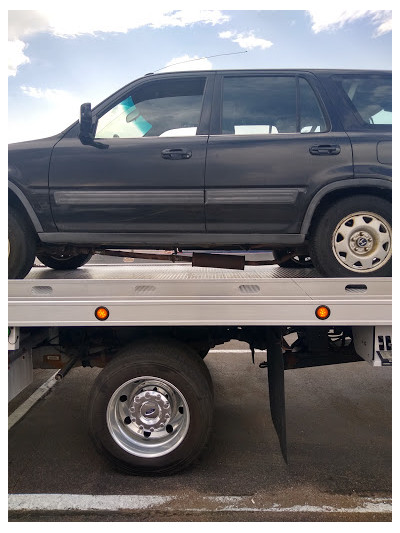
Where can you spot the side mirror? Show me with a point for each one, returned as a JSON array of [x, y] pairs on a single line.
[[86, 122]]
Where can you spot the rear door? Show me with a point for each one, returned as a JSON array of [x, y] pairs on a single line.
[[145, 171], [272, 146]]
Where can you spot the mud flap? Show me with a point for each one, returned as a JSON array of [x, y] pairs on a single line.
[[276, 384]]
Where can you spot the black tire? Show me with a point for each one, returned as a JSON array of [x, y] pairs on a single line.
[[64, 262], [21, 245], [353, 238], [298, 261], [118, 408]]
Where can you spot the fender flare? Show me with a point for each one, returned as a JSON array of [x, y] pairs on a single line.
[[337, 186], [27, 206]]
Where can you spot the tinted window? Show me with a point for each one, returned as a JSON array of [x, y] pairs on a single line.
[[269, 105], [311, 116], [370, 97], [159, 108]]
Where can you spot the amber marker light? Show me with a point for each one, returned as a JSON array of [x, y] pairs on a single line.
[[102, 313], [322, 312]]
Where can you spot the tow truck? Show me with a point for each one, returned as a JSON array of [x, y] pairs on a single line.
[[151, 326]]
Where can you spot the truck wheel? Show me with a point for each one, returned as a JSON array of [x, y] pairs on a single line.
[[150, 409], [298, 261], [64, 262], [21, 245], [354, 238]]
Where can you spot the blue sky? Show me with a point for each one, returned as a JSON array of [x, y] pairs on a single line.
[[59, 58]]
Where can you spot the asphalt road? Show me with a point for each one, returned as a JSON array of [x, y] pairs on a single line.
[[339, 449]]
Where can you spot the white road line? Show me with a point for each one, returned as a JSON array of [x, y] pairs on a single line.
[[30, 402], [86, 502]]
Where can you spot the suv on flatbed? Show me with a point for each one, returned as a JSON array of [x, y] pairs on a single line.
[[297, 161]]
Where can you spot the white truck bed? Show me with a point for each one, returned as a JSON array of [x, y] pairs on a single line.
[[150, 295]]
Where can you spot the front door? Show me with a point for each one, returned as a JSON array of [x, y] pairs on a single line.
[[145, 170]]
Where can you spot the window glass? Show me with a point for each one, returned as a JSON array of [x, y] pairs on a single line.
[[311, 117], [259, 105], [371, 97], [168, 108]]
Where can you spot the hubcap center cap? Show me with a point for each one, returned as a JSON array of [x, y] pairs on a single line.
[[361, 242], [150, 410]]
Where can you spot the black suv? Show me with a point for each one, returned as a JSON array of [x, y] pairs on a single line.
[[297, 161]]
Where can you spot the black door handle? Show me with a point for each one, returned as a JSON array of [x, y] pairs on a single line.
[[176, 153], [324, 149]]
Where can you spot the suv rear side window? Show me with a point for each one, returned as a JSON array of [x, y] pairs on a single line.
[[369, 96], [168, 108], [270, 105]]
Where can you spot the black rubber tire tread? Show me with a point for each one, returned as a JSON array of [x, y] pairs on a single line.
[[22, 241], [72, 263], [321, 252], [175, 362], [290, 263]]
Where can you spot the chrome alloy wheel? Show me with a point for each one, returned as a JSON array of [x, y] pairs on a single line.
[[148, 417], [362, 242]]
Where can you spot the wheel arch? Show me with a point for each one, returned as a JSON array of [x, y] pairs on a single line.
[[343, 189], [17, 199]]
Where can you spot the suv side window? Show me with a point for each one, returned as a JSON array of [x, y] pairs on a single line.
[[270, 105], [369, 96], [311, 117], [162, 108]]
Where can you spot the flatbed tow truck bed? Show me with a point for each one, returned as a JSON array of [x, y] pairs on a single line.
[[184, 295], [151, 326]]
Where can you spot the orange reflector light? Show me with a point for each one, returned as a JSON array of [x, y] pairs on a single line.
[[102, 313], [322, 312]]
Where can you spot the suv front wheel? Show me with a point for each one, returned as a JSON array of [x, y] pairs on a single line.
[[21, 245], [63, 261], [353, 237]]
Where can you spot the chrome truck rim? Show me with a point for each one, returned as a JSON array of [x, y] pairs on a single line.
[[148, 417], [362, 242]]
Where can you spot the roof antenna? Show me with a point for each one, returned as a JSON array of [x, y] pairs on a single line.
[[198, 59]]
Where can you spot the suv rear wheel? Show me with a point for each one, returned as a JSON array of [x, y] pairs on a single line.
[[354, 238]]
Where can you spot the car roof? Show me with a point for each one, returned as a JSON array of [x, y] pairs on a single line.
[[319, 71]]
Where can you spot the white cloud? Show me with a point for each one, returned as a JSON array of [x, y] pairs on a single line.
[[248, 41], [331, 19], [25, 22], [190, 63], [64, 23], [60, 109], [226, 34], [383, 20], [68, 23], [16, 56], [48, 94]]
